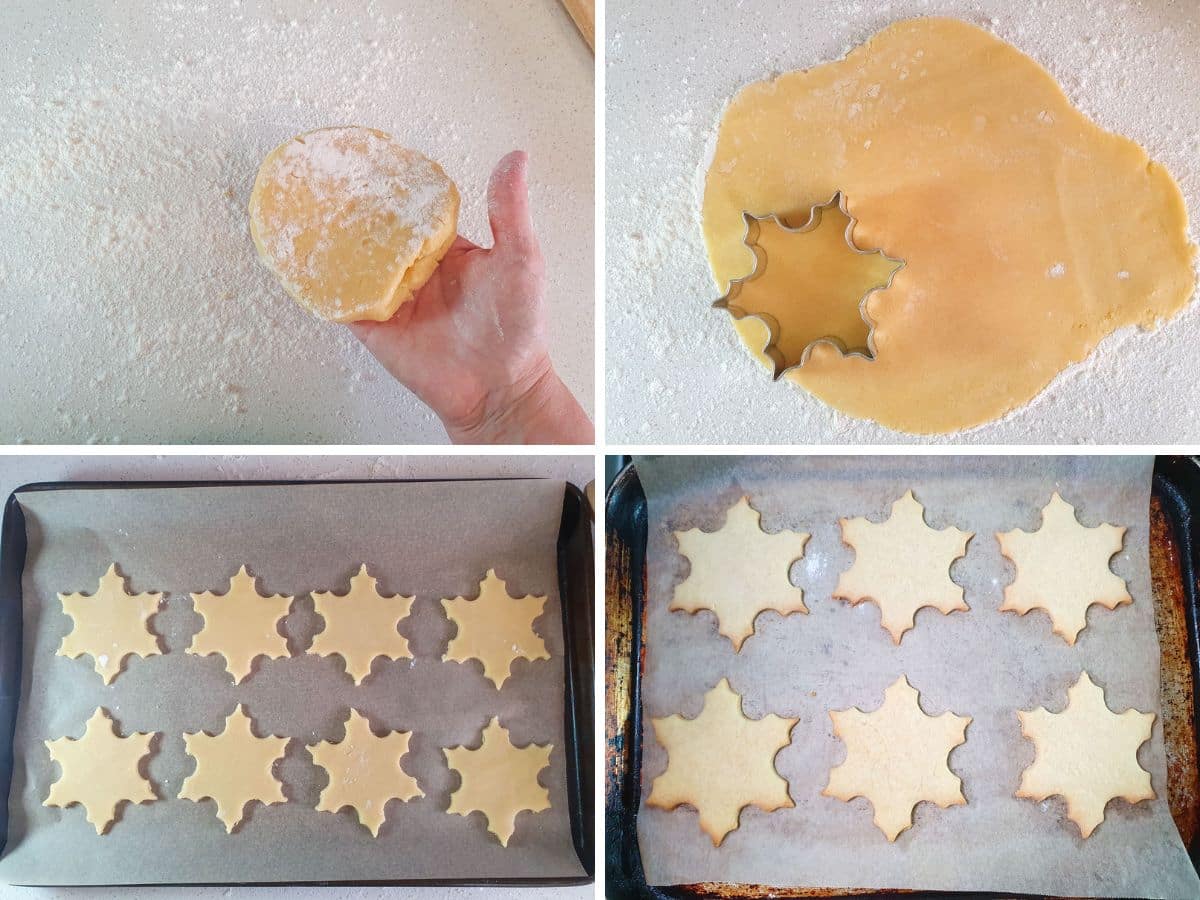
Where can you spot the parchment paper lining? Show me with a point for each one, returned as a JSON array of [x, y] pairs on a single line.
[[431, 539], [983, 663]]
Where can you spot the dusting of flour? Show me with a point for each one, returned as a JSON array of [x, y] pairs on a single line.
[[676, 372], [132, 303], [362, 179]]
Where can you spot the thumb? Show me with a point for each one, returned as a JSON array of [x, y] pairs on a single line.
[[508, 206]]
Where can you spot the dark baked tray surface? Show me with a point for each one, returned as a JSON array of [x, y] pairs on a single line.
[[1175, 579], [575, 583]]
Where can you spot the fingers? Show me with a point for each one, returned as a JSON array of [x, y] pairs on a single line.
[[508, 207], [377, 336], [461, 245]]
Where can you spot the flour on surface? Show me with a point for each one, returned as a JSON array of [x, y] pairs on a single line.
[[131, 299], [1129, 67]]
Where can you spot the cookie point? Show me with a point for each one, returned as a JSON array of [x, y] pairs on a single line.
[[99, 717], [1060, 505]]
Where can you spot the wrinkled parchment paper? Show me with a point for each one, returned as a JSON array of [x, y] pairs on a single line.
[[983, 663], [433, 540]]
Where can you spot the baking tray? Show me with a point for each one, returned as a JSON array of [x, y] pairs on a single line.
[[1175, 580], [575, 584]]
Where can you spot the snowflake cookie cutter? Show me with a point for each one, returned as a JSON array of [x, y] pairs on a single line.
[[780, 366]]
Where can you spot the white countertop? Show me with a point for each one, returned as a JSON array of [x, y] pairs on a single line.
[[132, 302]]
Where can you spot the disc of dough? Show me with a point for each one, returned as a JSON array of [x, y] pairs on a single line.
[[1028, 233], [351, 222]]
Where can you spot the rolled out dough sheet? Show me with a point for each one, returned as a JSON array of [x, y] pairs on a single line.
[[984, 663], [673, 363], [1027, 232], [433, 539]]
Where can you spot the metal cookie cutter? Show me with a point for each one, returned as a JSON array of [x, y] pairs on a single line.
[[750, 239]]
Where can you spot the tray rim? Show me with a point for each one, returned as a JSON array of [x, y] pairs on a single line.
[[574, 557], [1173, 479]]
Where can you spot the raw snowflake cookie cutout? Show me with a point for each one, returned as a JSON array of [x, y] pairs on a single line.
[[100, 770], [896, 757], [364, 772], [1063, 568], [745, 749], [499, 780], [233, 768], [495, 628], [240, 625], [110, 625], [739, 571], [902, 565], [1087, 754], [360, 625]]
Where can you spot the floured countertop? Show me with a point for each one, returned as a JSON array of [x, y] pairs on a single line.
[[676, 372], [132, 303]]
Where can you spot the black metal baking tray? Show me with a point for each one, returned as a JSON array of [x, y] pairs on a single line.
[[576, 590], [1175, 492]]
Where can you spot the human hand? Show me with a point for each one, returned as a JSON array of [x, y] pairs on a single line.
[[471, 343]]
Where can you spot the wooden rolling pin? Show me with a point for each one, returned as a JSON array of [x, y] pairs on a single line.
[[583, 14]]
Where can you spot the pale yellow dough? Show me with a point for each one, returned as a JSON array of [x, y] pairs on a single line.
[[495, 628], [896, 757], [1063, 568], [364, 772], [240, 625], [1087, 754], [110, 625], [233, 769], [100, 770], [360, 625], [902, 565], [739, 571], [1027, 232], [351, 222], [721, 762], [499, 780]]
